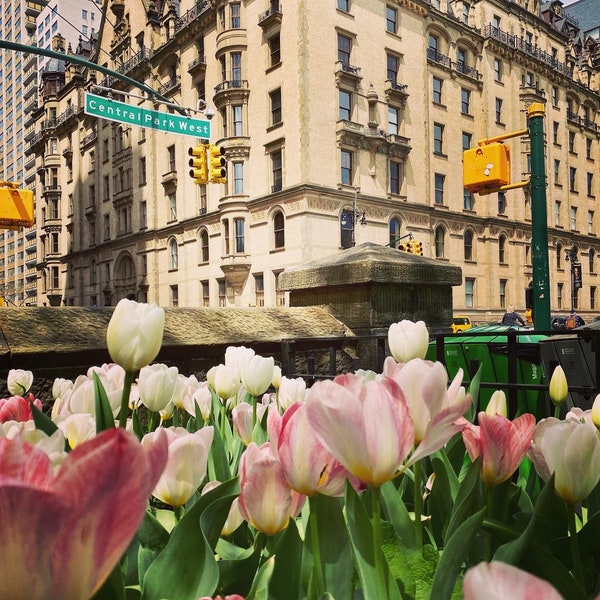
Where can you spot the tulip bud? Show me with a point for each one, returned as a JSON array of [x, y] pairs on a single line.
[[156, 386], [497, 404], [276, 377], [257, 374], [408, 340], [225, 381], [19, 381], [596, 412], [134, 334], [558, 389]]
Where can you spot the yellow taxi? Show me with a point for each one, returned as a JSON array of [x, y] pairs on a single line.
[[461, 323]]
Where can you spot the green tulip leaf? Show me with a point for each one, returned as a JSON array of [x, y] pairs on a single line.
[[285, 580], [440, 499], [454, 555], [474, 391], [218, 464], [113, 588], [260, 585], [104, 415], [334, 548], [151, 537], [398, 515], [376, 583], [467, 502], [191, 545], [237, 568], [42, 421]]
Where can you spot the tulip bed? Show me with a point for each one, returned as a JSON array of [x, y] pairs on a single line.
[[146, 484]]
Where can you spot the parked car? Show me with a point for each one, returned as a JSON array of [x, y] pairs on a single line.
[[461, 323]]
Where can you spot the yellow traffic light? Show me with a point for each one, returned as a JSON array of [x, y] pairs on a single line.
[[198, 171], [16, 206], [403, 246], [486, 167], [217, 164], [415, 247]]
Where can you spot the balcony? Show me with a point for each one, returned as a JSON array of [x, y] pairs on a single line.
[[439, 59], [89, 139], [271, 17], [232, 89], [589, 124], [198, 65], [171, 84], [347, 74], [191, 16], [396, 92], [573, 118], [236, 267]]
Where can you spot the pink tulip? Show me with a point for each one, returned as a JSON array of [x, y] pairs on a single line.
[[498, 581], [501, 443], [570, 450], [61, 536], [17, 408], [266, 500], [230, 597], [436, 408], [309, 468], [366, 425]]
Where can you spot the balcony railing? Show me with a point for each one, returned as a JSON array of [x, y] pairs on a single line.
[[272, 14], [517, 43], [192, 14], [231, 84], [441, 59]]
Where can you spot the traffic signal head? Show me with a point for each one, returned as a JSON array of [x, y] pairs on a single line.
[[16, 206], [403, 247], [198, 170], [217, 165], [486, 167], [415, 247]]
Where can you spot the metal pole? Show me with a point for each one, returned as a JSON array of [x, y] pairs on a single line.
[[539, 219]]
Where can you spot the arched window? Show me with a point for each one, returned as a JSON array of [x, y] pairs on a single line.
[[394, 233], [174, 254], [468, 244], [125, 269], [278, 230], [204, 256], [440, 241], [502, 249], [559, 251], [591, 259]]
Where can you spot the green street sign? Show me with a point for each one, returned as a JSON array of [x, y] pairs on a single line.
[[113, 110]]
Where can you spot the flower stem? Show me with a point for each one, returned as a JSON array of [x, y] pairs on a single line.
[[318, 581], [129, 376], [418, 499], [377, 545], [575, 553]]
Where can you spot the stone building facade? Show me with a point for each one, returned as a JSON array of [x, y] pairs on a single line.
[[342, 122]]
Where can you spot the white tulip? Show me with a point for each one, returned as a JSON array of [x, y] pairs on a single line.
[[156, 385], [408, 340], [19, 381], [257, 374]]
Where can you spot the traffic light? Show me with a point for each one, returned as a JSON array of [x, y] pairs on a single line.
[[415, 247], [403, 246], [486, 167], [16, 206], [198, 171], [217, 164]]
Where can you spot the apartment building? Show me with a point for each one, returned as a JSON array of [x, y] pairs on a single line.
[[342, 122]]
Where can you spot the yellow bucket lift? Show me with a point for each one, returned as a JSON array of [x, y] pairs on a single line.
[[16, 206]]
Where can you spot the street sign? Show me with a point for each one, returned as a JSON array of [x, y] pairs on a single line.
[[113, 110]]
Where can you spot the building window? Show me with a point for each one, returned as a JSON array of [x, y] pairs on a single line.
[[394, 230], [556, 171], [393, 120], [465, 101], [391, 19], [593, 297], [466, 140], [559, 250], [143, 214], [502, 249], [439, 188], [346, 170], [238, 178], [236, 67], [235, 15], [469, 292], [279, 293], [172, 207], [274, 50], [499, 111], [106, 227], [588, 148], [259, 289], [592, 260], [503, 293], [344, 5], [572, 142], [461, 60], [345, 107], [591, 222], [590, 185], [239, 235], [222, 293], [440, 238], [465, 13], [395, 177], [238, 121], [468, 200], [572, 179], [277, 170], [205, 293], [174, 295], [573, 218], [557, 213], [278, 230], [204, 255], [554, 95], [555, 132], [497, 69], [438, 138], [171, 159], [559, 296], [174, 255], [468, 244], [501, 203], [433, 42], [392, 68], [437, 90], [275, 101], [344, 45]]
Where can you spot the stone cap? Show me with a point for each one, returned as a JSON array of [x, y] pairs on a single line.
[[370, 263], [66, 329]]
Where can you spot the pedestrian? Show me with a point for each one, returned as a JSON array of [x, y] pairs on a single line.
[[573, 320], [512, 317]]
